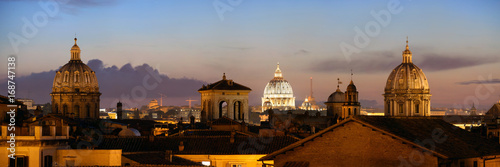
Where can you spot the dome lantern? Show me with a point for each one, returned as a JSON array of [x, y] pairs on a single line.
[[75, 52]]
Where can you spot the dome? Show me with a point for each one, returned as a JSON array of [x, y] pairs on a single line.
[[279, 92], [337, 97], [75, 76], [407, 91], [129, 132], [407, 76]]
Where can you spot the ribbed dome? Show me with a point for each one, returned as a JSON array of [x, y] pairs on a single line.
[[278, 86], [75, 76], [407, 76], [336, 97], [279, 92]]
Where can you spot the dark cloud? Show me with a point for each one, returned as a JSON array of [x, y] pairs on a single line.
[[489, 81], [114, 83], [434, 62], [371, 62]]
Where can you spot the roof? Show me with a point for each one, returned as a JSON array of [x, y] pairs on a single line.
[[158, 158], [225, 121], [224, 84], [296, 164], [211, 145], [6, 100], [51, 116], [494, 111], [459, 143], [206, 132]]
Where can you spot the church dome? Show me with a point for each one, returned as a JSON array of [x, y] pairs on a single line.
[[278, 86], [336, 97], [407, 76], [279, 92], [75, 76]]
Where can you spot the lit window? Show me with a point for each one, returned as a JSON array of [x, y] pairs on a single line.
[[206, 163]]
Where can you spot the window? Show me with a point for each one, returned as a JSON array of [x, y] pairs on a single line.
[[47, 161], [475, 164], [18, 161], [77, 76], [417, 108], [400, 108], [462, 164]]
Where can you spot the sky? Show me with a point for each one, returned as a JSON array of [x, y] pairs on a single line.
[[191, 43]]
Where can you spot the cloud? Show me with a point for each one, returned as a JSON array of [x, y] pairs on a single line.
[[372, 62], [73, 7], [301, 52], [366, 63], [489, 81], [237, 48], [434, 62], [114, 84]]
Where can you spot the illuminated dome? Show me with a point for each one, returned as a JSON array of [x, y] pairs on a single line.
[[75, 90], [407, 90], [279, 93], [75, 76]]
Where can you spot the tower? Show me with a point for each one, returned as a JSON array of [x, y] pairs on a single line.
[[278, 93], [224, 98], [119, 111], [351, 105], [75, 91], [407, 91]]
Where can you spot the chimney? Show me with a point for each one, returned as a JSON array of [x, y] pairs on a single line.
[[168, 155], [181, 146], [151, 138]]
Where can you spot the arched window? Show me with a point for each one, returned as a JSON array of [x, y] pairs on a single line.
[[400, 108], [87, 110], [77, 111], [417, 108], [222, 108], [66, 77], [349, 111], [77, 76], [65, 109], [354, 111], [237, 110]]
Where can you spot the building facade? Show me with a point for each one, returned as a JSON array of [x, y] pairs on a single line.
[[224, 98], [75, 91], [278, 93], [407, 90]]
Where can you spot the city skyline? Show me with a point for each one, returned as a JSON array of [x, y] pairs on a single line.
[[453, 43]]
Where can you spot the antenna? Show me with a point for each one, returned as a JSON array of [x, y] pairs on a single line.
[[311, 87], [161, 98]]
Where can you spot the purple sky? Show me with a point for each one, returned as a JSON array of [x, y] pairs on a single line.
[[454, 42]]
